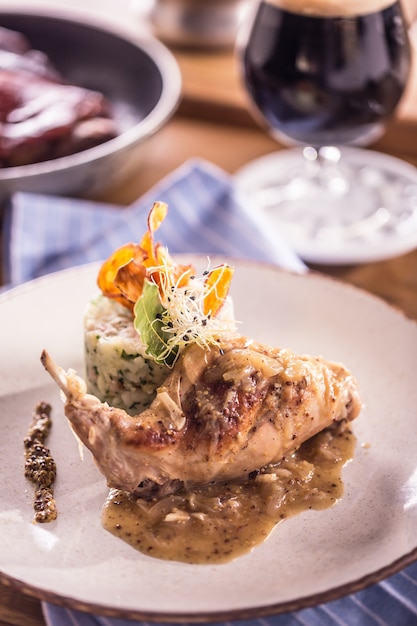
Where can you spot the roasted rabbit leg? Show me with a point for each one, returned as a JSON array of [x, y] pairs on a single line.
[[221, 414]]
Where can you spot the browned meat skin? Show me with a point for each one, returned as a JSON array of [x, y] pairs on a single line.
[[221, 414], [13, 41], [42, 117], [16, 55]]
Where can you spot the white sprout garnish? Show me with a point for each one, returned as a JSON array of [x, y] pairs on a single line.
[[183, 319]]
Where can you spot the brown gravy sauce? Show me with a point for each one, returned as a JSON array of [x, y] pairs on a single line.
[[218, 522]]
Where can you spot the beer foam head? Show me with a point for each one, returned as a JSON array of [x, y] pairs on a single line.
[[332, 8]]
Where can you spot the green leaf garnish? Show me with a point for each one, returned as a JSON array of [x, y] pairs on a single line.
[[149, 313]]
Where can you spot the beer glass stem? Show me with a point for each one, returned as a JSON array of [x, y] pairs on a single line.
[[323, 165]]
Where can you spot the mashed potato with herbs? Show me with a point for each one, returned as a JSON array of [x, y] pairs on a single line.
[[118, 370]]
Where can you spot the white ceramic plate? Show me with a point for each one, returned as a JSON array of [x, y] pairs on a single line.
[[379, 214], [315, 556]]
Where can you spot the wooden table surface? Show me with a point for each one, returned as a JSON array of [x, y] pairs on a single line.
[[213, 123]]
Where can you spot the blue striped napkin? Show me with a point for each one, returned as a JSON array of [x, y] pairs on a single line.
[[44, 234]]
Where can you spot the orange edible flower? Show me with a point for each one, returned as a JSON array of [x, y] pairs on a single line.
[[155, 218], [130, 280], [217, 285], [122, 275], [107, 277]]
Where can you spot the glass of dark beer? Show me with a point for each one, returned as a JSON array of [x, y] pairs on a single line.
[[325, 75]]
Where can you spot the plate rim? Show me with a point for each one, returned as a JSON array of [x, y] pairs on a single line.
[[205, 617]]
